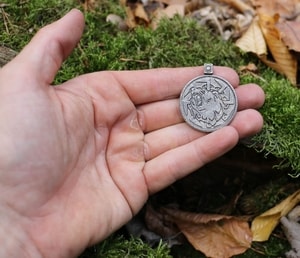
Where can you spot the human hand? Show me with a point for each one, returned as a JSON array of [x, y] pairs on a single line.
[[78, 160]]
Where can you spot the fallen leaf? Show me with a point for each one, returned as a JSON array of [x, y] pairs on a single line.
[[159, 223], [285, 9], [290, 34], [253, 40], [89, 5], [240, 5], [252, 70], [135, 14], [174, 7], [217, 236], [286, 63], [248, 68], [172, 10], [263, 225], [169, 12]]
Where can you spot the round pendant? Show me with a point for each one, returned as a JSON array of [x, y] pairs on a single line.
[[208, 102]]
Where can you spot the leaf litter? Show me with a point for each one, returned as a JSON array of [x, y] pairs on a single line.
[[269, 29], [215, 235], [222, 228]]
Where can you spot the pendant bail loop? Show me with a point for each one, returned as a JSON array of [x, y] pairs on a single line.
[[208, 69]]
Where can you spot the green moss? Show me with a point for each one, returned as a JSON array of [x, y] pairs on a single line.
[[24, 18], [175, 43], [119, 247], [281, 112]]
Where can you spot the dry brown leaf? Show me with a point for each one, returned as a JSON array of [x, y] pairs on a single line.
[[159, 223], [263, 225], [286, 63], [240, 5], [253, 40], [136, 15], [286, 9], [191, 6], [248, 68], [172, 10], [217, 236], [141, 13], [169, 12], [89, 5], [290, 34]]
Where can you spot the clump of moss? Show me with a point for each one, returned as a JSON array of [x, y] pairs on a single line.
[[119, 247], [175, 43], [281, 112], [22, 19]]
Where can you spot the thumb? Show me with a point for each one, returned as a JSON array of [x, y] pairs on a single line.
[[43, 56]]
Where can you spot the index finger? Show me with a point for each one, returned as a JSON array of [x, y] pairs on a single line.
[[146, 86]]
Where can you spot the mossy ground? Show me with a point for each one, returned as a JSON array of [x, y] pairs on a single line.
[[176, 42]]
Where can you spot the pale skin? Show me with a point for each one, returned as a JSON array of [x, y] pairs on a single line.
[[78, 160]]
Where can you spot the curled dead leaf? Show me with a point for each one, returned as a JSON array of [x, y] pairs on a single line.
[[217, 236], [253, 40], [240, 6], [285, 63], [263, 225], [135, 14], [283, 8], [290, 34], [149, 13], [168, 12]]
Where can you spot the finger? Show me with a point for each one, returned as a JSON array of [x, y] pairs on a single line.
[[246, 123], [159, 114], [250, 96], [164, 83], [162, 140], [165, 113], [43, 56], [176, 163]]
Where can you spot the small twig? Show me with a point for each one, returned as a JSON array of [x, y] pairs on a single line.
[[5, 18], [133, 60], [2, 5], [257, 251]]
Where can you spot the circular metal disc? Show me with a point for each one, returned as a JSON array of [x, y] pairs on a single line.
[[208, 102]]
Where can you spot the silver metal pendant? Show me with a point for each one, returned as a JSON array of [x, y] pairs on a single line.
[[208, 102]]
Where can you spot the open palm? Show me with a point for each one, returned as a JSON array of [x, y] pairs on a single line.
[[78, 160]]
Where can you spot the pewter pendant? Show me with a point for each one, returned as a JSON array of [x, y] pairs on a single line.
[[208, 102]]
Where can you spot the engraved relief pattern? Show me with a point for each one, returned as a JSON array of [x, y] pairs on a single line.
[[208, 103]]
